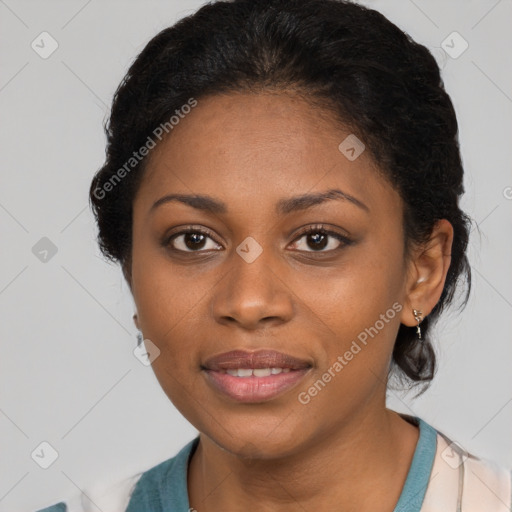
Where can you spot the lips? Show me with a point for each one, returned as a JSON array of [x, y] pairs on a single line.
[[253, 360], [253, 377]]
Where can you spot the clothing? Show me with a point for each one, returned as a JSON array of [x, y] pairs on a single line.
[[442, 478]]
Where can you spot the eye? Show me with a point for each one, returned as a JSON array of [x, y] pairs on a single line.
[[319, 239], [311, 239], [192, 240]]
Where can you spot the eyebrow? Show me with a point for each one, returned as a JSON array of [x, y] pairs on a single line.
[[283, 207]]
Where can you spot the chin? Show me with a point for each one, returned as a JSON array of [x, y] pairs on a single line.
[[265, 441]]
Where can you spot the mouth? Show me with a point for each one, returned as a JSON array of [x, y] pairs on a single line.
[[252, 377]]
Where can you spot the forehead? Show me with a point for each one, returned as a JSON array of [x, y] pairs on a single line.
[[267, 144]]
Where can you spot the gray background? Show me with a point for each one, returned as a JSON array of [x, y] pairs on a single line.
[[67, 372]]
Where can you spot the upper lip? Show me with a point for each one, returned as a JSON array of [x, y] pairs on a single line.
[[258, 359]]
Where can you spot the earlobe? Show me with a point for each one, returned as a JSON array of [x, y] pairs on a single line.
[[136, 321], [430, 265]]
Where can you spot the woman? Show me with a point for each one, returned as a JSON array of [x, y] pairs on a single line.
[[282, 191]]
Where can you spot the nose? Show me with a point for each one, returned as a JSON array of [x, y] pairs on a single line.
[[253, 295]]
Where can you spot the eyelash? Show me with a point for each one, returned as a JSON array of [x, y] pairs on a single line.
[[321, 229], [314, 229]]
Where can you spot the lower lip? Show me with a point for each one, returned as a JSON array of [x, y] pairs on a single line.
[[254, 389]]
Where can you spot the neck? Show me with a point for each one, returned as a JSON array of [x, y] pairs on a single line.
[[371, 452]]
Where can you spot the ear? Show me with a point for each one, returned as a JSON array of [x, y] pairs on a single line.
[[428, 267], [126, 268], [136, 321]]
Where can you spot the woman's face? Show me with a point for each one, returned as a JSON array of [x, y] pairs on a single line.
[[252, 281]]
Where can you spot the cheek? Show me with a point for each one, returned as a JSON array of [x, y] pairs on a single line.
[[362, 320], [173, 312], [353, 297], [359, 304], [166, 304], [171, 309], [361, 311], [164, 294]]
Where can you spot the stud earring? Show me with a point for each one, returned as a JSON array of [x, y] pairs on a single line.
[[418, 317]]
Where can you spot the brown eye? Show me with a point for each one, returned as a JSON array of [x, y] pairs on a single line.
[[318, 239], [192, 241]]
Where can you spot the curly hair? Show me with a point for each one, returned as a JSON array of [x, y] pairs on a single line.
[[342, 58]]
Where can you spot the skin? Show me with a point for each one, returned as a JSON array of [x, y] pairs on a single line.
[[249, 151]]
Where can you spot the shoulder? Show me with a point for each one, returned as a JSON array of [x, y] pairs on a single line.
[[113, 496], [136, 492], [165, 483], [460, 480]]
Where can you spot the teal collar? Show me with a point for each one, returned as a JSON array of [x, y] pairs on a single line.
[[416, 483], [164, 487]]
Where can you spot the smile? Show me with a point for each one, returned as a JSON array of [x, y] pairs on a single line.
[[251, 377], [256, 372]]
